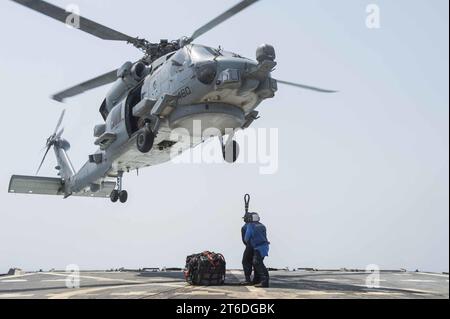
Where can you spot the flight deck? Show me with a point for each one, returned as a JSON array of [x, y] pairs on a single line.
[[156, 284]]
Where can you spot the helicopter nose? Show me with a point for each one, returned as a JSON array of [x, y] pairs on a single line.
[[246, 76]]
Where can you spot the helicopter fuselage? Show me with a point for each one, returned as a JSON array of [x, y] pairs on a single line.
[[172, 99], [195, 85]]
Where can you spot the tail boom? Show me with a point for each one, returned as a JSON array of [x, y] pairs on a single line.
[[38, 185]]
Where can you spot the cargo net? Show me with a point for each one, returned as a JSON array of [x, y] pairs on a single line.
[[205, 269]]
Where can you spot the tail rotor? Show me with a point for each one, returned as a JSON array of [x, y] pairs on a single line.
[[52, 139]]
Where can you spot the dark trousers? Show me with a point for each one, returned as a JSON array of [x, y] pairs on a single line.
[[261, 271], [247, 262]]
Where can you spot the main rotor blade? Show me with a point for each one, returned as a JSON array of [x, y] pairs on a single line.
[[43, 159], [59, 121], [306, 87], [224, 16], [86, 25], [60, 133], [86, 86]]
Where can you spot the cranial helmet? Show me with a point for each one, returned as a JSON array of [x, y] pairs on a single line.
[[255, 217], [251, 217]]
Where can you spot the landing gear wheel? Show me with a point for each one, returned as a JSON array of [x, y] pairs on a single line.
[[144, 140], [231, 152], [123, 196], [114, 196]]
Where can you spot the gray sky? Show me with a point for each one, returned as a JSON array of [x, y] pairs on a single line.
[[363, 174]]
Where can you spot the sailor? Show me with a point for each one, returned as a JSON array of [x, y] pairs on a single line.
[[247, 257], [256, 237]]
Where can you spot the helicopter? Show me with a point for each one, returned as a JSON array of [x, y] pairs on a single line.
[[173, 85]]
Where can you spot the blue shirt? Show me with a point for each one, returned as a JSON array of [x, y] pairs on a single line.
[[243, 231], [255, 235]]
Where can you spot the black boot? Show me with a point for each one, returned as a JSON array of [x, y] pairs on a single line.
[[247, 282], [256, 280]]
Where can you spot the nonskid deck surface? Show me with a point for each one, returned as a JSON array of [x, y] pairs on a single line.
[[171, 284]]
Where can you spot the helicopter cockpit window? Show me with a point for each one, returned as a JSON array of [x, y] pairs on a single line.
[[179, 58], [201, 53], [229, 54], [169, 56]]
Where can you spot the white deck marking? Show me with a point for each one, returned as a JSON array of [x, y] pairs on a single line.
[[382, 293], [258, 292], [49, 296], [329, 279], [133, 293], [18, 276], [318, 293], [17, 295], [418, 280], [344, 279], [211, 289], [254, 289], [84, 291], [94, 277], [407, 290], [14, 280], [435, 275], [201, 293]]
